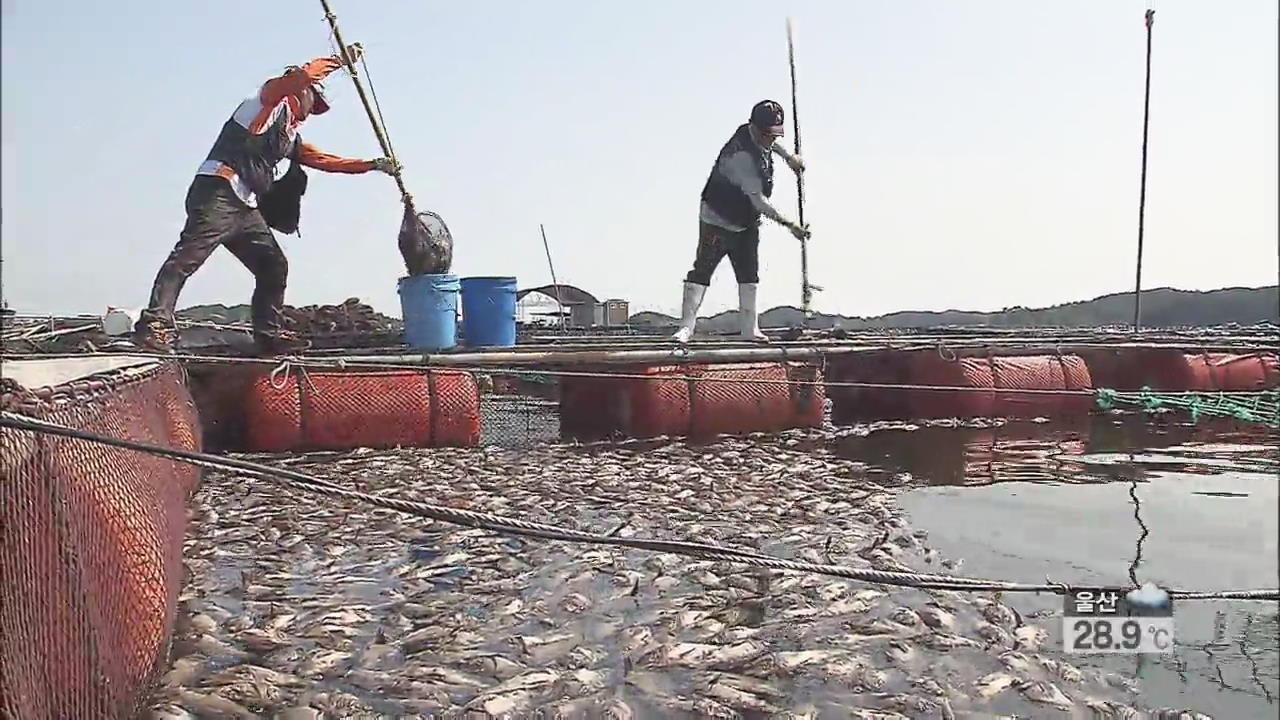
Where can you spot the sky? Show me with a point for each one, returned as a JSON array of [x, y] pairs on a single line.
[[962, 155]]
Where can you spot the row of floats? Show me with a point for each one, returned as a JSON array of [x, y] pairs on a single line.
[[343, 409]]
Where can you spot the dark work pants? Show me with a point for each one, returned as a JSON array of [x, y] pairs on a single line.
[[743, 249], [215, 216]]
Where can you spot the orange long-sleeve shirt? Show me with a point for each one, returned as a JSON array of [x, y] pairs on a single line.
[[283, 95]]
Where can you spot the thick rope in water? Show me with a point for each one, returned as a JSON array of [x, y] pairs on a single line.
[[498, 523]]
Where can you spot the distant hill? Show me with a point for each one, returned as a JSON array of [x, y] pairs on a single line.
[[1162, 307]]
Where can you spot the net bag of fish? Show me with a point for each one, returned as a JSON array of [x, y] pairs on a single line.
[[425, 242], [91, 543]]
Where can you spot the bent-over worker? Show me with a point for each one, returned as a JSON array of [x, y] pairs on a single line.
[[225, 202], [733, 200]]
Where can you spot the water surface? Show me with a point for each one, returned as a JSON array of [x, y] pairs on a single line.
[[1114, 502]]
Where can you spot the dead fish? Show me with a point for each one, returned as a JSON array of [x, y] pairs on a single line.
[[545, 648], [628, 581], [1062, 670], [743, 693], [993, 684], [616, 709], [832, 591], [665, 583], [791, 661], [171, 712], [1029, 638], [300, 713], [1109, 710], [636, 638], [261, 641], [1045, 692], [446, 676], [947, 641], [417, 611], [995, 635], [213, 647], [183, 672], [905, 616], [380, 655], [202, 624], [209, 705], [1017, 663], [724, 657], [511, 608], [495, 665], [575, 603], [323, 662], [900, 653], [427, 637], [998, 614], [585, 656], [937, 618], [585, 682], [857, 674]]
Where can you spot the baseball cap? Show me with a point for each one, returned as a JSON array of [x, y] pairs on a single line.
[[321, 104], [767, 115]]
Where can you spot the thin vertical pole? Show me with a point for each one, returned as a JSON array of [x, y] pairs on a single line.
[[806, 290], [555, 283], [1142, 193]]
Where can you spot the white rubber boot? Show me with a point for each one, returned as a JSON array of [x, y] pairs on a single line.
[[747, 313], [693, 294]]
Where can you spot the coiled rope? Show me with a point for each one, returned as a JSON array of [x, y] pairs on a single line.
[[512, 526]]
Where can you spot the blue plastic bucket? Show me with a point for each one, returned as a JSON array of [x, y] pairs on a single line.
[[489, 311], [430, 307]]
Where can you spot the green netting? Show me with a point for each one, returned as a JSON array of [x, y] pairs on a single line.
[[1256, 407]]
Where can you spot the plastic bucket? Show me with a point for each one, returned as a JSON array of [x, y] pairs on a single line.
[[429, 304], [489, 311]]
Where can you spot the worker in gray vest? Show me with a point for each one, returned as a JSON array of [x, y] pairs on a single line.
[[733, 200]]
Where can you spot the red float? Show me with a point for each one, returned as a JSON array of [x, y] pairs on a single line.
[[697, 401], [341, 410], [967, 386]]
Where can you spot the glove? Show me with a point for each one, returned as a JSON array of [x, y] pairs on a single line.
[[801, 233], [387, 165], [796, 163], [355, 52]]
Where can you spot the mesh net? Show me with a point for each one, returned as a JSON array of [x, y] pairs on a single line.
[[91, 544], [425, 243], [340, 410]]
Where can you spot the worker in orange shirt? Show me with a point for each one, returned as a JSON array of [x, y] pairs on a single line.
[[250, 182]]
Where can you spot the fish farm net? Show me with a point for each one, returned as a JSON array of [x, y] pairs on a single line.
[[91, 543]]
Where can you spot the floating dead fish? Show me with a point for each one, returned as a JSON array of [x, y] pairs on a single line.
[[993, 684], [1044, 692]]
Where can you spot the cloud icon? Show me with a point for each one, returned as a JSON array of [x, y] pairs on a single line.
[[1148, 596]]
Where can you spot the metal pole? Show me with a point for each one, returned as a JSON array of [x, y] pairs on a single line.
[[1142, 193], [806, 291], [555, 283], [364, 99]]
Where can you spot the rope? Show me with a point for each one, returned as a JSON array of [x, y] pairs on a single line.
[[1198, 404], [1110, 396], [501, 524]]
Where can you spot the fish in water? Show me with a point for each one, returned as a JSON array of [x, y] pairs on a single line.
[[425, 243]]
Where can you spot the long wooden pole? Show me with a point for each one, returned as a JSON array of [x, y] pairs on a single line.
[[364, 99], [547, 246], [806, 290], [1142, 193]]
